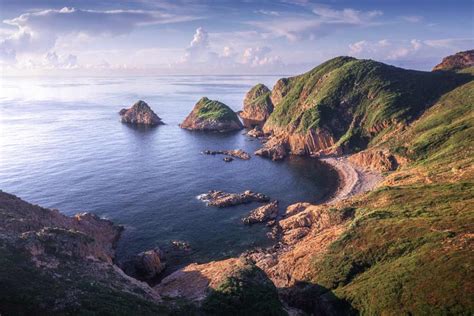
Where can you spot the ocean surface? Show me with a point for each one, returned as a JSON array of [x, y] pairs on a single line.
[[62, 146]]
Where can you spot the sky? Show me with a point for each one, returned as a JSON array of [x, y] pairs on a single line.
[[225, 37]]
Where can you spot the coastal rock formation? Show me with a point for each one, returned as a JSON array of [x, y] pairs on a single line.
[[57, 264], [140, 114], [262, 214], [257, 106], [341, 105], [256, 132], [377, 160], [209, 115], [457, 61], [236, 153], [223, 199], [146, 265]]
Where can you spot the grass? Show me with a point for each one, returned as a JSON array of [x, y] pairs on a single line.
[[260, 98], [214, 110], [356, 99]]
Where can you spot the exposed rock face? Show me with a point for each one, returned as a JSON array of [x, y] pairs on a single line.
[[457, 61], [147, 265], [275, 149], [223, 199], [256, 132], [236, 153], [262, 214], [140, 114], [209, 115], [377, 160], [59, 255], [257, 106]]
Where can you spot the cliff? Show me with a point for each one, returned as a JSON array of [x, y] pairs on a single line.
[[257, 106], [457, 61], [210, 115], [345, 104]]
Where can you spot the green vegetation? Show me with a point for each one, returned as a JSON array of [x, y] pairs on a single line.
[[214, 110], [356, 99], [260, 98], [409, 249], [246, 292]]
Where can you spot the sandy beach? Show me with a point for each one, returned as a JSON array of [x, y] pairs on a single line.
[[353, 179]]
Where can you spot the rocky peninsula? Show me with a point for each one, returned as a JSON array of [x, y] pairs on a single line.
[[210, 115]]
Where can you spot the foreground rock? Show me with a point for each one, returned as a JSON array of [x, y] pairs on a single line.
[[55, 264], [457, 61], [223, 199], [236, 153], [257, 106], [262, 214], [146, 265], [210, 115], [140, 114], [273, 149]]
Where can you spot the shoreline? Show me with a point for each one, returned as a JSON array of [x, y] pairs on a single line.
[[353, 180]]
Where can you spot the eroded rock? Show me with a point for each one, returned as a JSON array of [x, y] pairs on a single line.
[[223, 199], [140, 114], [262, 214]]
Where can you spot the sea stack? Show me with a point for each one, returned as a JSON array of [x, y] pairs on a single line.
[[211, 115], [140, 114], [257, 106]]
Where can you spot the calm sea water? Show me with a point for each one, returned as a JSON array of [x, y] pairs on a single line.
[[62, 146]]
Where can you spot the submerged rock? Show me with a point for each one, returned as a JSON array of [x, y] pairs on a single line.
[[236, 153], [223, 199], [257, 106], [141, 114], [262, 214], [210, 115], [228, 159]]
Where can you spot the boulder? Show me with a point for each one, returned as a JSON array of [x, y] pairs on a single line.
[[262, 214], [140, 114], [148, 264], [210, 115]]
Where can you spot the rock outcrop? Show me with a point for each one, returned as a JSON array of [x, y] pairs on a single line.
[[140, 114], [236, 153], [146, 265], [210, 115], [376, 160], [274, 148], [256, 132], [262, 214], [457, 61], [223, 199], [55, 264], [257, 106]]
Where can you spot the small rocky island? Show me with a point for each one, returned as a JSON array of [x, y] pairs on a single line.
[[211, 115], [224, 199], [140, 114], [257, 106]]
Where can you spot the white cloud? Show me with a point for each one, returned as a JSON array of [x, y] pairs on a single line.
[[412, 18], [268, 12], [318, 22], [258, 56]]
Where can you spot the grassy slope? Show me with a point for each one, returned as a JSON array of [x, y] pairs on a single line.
[[409, 250], [215, 110], [261, 100], [365, 93]]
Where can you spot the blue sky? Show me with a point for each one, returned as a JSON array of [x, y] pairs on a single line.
[[226, 37]]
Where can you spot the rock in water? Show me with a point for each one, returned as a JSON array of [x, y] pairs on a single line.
[[210, 115], [223, 199], [262, 214], [141, 114], [228, 159], [149, 264], [457, 61], [236, 153], [257, 106]]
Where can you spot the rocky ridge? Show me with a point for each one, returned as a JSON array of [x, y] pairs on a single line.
[[457, 61]]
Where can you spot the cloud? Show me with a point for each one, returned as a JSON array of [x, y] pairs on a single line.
[[258, 56], [412, 18], [38, 32], [198, 50], [268, 12], [318, 22]]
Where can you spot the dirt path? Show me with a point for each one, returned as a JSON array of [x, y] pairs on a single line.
[[353, 180]]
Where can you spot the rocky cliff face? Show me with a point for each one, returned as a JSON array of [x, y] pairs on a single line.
[[140, 114], [257, 106], [345, 103], [209, 115], [457, 61]]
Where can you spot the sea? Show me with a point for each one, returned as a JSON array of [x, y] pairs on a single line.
[[62, 146]]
